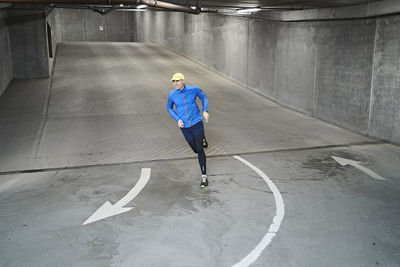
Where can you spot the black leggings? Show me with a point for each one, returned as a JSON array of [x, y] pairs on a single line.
[[197, 146]]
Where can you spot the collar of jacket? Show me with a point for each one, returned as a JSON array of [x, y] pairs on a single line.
[[183, 89]]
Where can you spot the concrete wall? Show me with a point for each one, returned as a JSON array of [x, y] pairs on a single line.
[[365, 10], [55, 32], [5, 62], [51, 19], [345, 72], [295, 65], [85, 25], [385, 99], [27, 32]]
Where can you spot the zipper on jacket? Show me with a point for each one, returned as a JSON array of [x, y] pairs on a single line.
[[186, 108]]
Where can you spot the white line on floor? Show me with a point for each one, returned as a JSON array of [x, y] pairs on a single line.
[[276, 223]]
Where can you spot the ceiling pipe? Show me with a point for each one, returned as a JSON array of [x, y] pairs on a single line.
[[152, 3], [166, 5]]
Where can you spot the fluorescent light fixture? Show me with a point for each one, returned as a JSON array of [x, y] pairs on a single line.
[[141, 6], [247, 10]]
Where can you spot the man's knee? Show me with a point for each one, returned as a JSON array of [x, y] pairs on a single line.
[[199, 148], [198, 144], [192, 145]]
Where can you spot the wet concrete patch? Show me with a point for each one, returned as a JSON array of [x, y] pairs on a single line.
[[326, 165]]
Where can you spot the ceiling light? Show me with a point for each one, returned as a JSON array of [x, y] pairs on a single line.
[[247, 10], [141, 6]]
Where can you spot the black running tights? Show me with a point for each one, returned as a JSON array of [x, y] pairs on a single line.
[[197, 146]]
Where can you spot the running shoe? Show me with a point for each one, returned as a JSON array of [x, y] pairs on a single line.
[[205, 143], [204, 182]]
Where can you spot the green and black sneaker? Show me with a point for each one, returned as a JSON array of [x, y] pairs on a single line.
[[204, 181], [205, 143]]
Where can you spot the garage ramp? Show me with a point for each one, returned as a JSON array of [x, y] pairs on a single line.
[[97, 135], [107, 104]]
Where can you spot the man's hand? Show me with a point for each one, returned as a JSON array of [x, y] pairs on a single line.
[[180, 123], [206, 116]]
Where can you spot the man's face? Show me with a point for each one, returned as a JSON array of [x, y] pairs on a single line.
[[178, 84]]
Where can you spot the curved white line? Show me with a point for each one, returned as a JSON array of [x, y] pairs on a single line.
[[276, 223]]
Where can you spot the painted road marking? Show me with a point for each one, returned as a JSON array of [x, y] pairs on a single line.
[[356, 164], [276, 222], [108, 210]]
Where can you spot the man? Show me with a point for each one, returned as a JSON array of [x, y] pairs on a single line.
[[189, 118]]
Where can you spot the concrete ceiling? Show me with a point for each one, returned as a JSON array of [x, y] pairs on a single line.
[[274, 4]]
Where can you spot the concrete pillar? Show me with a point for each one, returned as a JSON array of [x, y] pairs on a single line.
[[5, 62], [27, 30]]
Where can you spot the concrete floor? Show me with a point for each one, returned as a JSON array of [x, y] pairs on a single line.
[[66, 151]]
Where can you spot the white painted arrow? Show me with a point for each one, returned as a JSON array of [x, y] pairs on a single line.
[[108, 210], [356, 164]]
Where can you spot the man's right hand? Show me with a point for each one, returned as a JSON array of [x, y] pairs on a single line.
[[180, 123]]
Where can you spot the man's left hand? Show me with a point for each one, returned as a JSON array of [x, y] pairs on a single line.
[[206, 116]]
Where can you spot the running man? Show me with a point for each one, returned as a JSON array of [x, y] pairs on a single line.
[[188, 117]]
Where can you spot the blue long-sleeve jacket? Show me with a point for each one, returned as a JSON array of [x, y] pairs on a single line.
[[186, 106]]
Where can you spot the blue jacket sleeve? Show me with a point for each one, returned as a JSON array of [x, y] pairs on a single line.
[[170, 109], [203, 98]]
